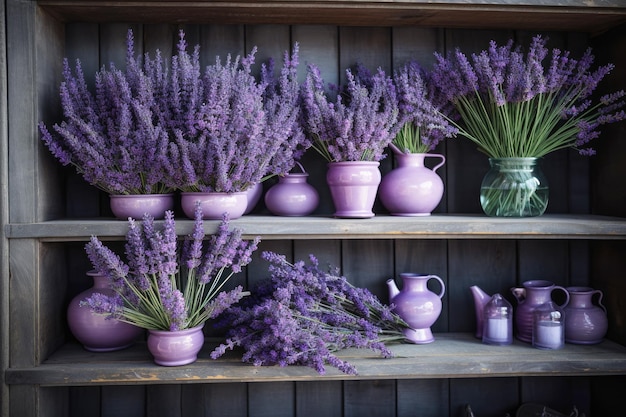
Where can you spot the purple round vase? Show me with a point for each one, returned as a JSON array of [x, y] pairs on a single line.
[[353, 187], [95, 331], [292, 196], [214, 205], [137, 205], [412, 189], [585, 322], [175, 348]]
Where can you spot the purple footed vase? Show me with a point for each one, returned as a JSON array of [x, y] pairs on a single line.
[[585, 322]]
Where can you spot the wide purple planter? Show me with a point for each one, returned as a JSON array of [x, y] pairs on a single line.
[[175, 348], [586, 323], [292, 196], [94, 331], [412, 189], [137, 205], [214, 205], [353, 187]]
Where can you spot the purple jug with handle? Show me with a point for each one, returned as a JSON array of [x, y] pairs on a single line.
[[531, 295]]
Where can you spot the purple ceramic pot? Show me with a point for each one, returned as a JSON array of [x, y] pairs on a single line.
[[175, 348], [412, 189], [292, 196], [95, 331], [585, 322], [214, 205], [353, 187], [135, 206]]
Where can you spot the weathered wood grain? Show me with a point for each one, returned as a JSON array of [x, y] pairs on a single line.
[[452, 355]]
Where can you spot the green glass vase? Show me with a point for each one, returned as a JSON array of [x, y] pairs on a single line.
[[514, 187]]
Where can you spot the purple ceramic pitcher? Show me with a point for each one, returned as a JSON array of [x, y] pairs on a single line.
[[531, 295]]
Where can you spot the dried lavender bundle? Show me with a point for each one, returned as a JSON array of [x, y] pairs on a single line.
[[302, 315]]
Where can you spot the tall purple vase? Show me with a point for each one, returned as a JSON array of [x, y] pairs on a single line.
[[96, 332], [353, 187], [529, 297], [412, 189]]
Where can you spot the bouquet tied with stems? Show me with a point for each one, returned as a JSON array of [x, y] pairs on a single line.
[[423, 120], [517, 107], [229, 130], [111, 136], [166, 287], [303, 315], [352, 122]]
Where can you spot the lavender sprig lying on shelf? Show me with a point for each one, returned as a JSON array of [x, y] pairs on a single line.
[[302, 315]]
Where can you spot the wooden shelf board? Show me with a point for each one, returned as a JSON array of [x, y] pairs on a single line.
[[452, 355], [379, 227], [567, 15]]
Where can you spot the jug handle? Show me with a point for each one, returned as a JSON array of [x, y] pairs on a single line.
[[558, 287], [437, 155], [519, 293], [600, 295], [443, 286]]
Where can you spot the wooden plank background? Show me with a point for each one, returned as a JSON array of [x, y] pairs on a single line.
[[495, 265]]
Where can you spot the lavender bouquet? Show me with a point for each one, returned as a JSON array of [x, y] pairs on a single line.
[[421, 124], [111, 136], [229, 128], [514, 106], [352, 122], [302, 315], [163, 288]]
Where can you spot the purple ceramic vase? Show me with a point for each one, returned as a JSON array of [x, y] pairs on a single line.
[[136, 205], [417, 305], [292, 195], [175, 348], [95, 331], [214, 205], [585, 322], [530, 296], [353, 187], [412, 189]]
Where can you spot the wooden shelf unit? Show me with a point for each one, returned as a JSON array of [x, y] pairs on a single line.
[[47, 215]]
